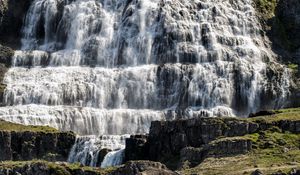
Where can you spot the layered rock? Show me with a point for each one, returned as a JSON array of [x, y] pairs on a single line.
[[196, 139], [169, 138], [35, 145], [218, 148]]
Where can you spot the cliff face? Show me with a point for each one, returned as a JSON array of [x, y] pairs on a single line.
[[196, 139], [12, 14], [35, 145], [18, 142], [168, 138], [286, 30]]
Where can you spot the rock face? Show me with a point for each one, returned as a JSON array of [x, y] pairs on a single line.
[[136, 147], [288, 28], [218, 148], [6, 54], [169, 138], [198, 138], [143, 168], [35, 145], [12, 13]]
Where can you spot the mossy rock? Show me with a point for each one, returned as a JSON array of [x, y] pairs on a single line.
[[8, 126], [6, 55]]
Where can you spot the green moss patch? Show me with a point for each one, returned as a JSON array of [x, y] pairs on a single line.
[[266, 7], [8, 126]]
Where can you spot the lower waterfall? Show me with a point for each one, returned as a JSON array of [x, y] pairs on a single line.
[[106, 69], [88, 150], [113, 158]]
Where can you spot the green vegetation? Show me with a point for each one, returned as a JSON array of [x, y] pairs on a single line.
[[273, 150], [293, 67], [56, 168], [292, 114], [8, 126], [266, 8]]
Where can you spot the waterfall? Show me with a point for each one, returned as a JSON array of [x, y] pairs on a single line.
[[113, 158], [87, 150], [110, 67]]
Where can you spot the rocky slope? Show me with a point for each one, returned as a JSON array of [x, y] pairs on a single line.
[[281, 23], [19, 142], [185, 144], [46, 168]]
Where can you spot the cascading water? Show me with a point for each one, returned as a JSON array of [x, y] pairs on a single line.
[[110, 67], [87, 150]]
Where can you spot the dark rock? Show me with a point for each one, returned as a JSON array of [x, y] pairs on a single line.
[[257, 172], [219, 148], [261, 113], [289, 125], [294, 172], [6, 54], [136, 148], [229, 146], [168, 138], [102, 155], [143, 168], [193, 155], [12, 15], [35, 145]]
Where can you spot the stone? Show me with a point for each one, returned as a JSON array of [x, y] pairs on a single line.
[[35, 145], [143, 168], [257, 172]]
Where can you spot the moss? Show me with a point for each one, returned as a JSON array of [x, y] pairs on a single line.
[[8, 126], [292, 114], [57, 168], [272, 150], [266, 7]]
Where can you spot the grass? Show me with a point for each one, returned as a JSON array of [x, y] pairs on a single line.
[[292, 114], [293, 67], [273, 150], [56, 168], [8, 126]]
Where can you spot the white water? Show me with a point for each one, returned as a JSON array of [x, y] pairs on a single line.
[[110, 67], [86, 150]]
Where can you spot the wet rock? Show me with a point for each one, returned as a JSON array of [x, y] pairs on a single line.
[[6, 54], [102, 155], [257, 172], [136, 148], [12, 14]]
